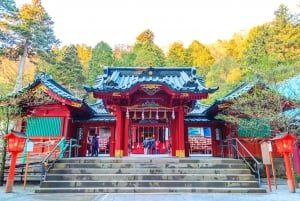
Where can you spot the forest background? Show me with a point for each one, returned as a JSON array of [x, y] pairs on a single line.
[[269, 51]]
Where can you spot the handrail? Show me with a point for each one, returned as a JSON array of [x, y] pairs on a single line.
[[71, 145], [237, 143], [45, 166]]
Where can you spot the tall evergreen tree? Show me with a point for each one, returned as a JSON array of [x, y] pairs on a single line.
[[68, 71], [101, 56], [25, 31], [147, 53]]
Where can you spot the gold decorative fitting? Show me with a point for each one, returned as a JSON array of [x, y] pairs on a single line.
[[151, 86], [74, 104], [223, 105], [184, 95], [150, 89], [180, 153], [116, 94], [150, 73], [119, 153]]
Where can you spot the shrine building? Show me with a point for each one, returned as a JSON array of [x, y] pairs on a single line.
[[133, 105]]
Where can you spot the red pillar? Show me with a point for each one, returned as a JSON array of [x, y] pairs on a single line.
[[180, 152], [119, 152], [126, 134], [296, 158], [84, 142], [186, 142], [174, 137], [112, 142], [11, 174], [213, 141]]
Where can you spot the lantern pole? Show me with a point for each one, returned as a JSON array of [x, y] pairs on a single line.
[[284, 144], [288, 172], [15, 145], [11, 174]]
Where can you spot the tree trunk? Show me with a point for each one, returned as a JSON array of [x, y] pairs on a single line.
[[19, 80]]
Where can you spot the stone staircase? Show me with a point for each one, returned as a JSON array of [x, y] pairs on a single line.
[[150, 175]]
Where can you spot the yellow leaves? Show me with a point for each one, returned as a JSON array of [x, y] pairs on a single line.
[[84, 54], [32, 13], [146, 36], [177, 49], [200, 55], [235, 75]]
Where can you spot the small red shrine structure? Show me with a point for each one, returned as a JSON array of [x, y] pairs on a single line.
[[150, 103]]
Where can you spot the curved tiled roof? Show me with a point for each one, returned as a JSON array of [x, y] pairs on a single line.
[[51, 84], [197, 114], [198, 108], [235, 93], [289, 88], [47, 80], [181, 79]]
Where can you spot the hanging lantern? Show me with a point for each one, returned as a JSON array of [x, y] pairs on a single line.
[[285, 143], [143, 115], [15, 142], [134, 115], [173, 114], [150, 114], [165, 115], [157, 114], [127, 114]]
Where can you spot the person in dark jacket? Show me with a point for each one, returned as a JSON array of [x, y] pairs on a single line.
[[95, 145]]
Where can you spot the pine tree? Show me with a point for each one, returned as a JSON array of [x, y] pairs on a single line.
[[25, 31], [68, 71], [101, 56], [147, 53]]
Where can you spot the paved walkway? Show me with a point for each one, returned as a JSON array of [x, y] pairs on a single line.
[[280, 194]]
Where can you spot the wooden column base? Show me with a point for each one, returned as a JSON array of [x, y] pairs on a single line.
[[180, 153], [119, 153]]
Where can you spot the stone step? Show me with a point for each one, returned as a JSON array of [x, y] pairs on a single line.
[[148, 171], [147, 160], [149, 183], [150, 165], [130, 177], [151, 190], [149, 175]]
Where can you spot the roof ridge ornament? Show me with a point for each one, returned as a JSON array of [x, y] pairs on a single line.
[[43, 75]]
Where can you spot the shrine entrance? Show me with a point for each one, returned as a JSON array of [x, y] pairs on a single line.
[[149, 104], [156, 136]]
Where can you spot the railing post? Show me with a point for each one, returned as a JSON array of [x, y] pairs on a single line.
[[62, 150], [258, 164], [43, 172], [70, 148]]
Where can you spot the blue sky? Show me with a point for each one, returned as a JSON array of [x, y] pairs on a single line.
[[121, 21]]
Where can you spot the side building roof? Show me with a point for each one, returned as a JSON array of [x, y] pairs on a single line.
[[235, 93], [43, 81]]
